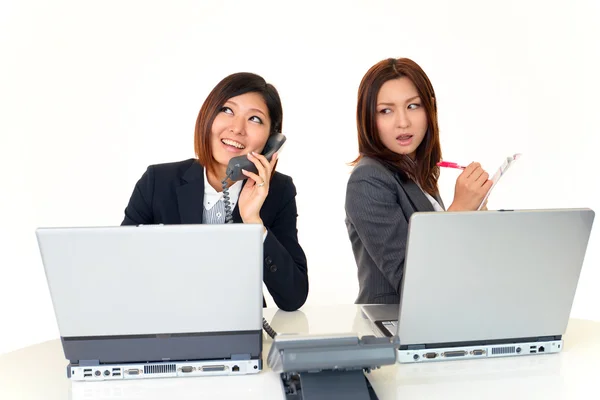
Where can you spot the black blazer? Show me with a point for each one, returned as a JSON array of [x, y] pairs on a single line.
[[173, 193]]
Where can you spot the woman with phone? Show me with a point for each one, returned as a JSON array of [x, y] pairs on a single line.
[[396, 174], [240, 117]]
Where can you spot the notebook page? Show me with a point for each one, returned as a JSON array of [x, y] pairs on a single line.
[[501, 171]]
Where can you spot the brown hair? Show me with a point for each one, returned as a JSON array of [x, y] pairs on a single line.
[[232, 86], [424, 171]]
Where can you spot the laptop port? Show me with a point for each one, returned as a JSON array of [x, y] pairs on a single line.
[[458, 353], [518, 350], [106, 373], [132, 371], [478, 352], [187, 369], [87, 375], [430, 355], [85, 371], [235, 368], [541, 349], [97, 373], [214, 368]]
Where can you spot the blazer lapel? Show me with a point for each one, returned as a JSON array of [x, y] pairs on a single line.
[[439, 200], [190, 195], [237, 218], [416, 196]]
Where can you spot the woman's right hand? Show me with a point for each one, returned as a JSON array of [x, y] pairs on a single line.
[[470, 189]]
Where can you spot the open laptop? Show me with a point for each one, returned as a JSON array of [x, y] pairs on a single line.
[[156, 300], [486, 284]]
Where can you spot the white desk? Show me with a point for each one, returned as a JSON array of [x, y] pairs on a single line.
[[39, 371]]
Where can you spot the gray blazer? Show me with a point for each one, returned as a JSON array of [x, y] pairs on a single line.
[[378, 207]]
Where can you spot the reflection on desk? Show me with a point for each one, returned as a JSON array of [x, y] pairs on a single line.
[[39, 371]]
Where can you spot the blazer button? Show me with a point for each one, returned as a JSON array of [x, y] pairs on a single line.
[[273, 268], [268, 260]]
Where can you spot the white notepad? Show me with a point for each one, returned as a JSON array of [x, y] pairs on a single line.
[[510, 160]]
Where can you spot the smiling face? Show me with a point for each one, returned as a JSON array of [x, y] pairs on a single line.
[[401, 119], [241, 126]]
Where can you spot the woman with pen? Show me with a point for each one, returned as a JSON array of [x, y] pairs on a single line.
[[396, 174]]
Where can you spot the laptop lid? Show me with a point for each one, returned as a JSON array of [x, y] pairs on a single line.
[[172, 282], [477, 276]]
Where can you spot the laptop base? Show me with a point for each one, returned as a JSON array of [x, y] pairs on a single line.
[[105, 372], [480, 351], [163, 355]]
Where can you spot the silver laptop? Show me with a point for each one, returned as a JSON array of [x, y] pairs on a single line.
[[486, 284], [157, 300]]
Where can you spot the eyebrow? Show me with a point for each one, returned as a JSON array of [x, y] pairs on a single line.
[[393, 104], [251, 109]]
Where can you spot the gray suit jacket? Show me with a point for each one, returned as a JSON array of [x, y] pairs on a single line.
[[378, 207]]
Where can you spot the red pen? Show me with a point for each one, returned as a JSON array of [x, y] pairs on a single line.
[[447, 164]]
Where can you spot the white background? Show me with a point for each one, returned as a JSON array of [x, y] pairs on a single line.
[[93, 92]]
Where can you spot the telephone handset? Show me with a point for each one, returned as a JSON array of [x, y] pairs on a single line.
[[236, 164], [234, 172]]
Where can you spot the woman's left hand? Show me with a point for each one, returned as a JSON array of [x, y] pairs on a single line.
[[256, 189]]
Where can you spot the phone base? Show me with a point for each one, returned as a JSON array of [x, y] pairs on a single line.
[[328, 385]]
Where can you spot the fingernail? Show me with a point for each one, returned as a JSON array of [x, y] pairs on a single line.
[[244, 171], [250, 155], [254, 153]]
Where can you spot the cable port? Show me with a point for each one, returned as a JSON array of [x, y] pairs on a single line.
[[97, 373], [214, 368], [87, 375], [478, 352], [430, 355], [541, 349], [106, 373], [132, 371], [235, 368], [187, 369], [458, 353]]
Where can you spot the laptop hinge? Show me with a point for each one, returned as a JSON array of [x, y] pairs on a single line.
[[238, 357], [546, 338], [88, 363]]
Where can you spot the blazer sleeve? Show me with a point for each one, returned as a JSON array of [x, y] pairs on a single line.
[[139, 209], [373, 208], [285, 269]]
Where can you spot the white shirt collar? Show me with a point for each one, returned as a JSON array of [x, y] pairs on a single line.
[[434, 202], [211, 196], [436, 205]]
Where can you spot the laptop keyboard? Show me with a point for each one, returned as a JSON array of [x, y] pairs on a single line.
[[391, 326]]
